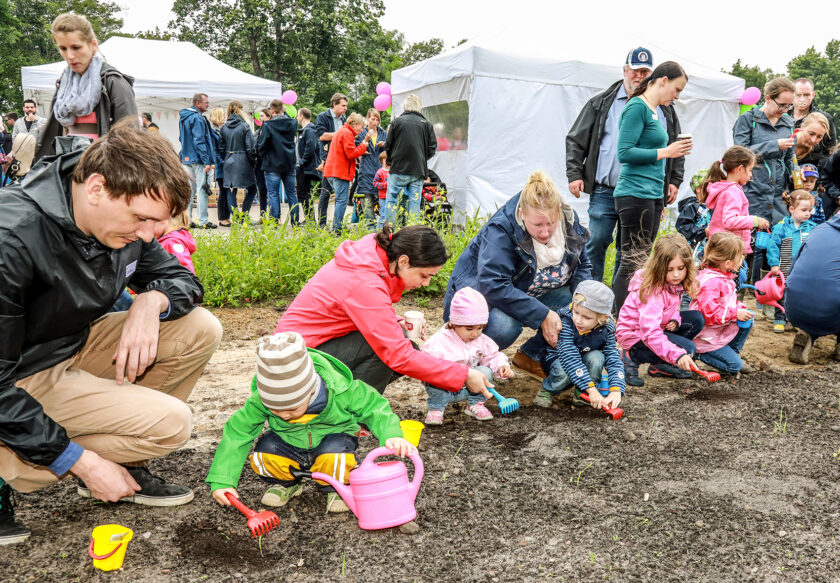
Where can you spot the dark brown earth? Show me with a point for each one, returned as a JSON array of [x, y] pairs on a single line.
[[734, 481]]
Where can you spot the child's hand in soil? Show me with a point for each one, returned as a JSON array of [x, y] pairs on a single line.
[[612, 400], [219, 495], [595, 398], [400, 446], [744, 315], [671, 326], [504, 372], [685, 362]]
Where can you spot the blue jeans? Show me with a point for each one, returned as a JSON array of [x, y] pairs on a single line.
[[440, 398], [123, 302], [504, 330], [397, 183], [342, 194], [602, 221], [557, 379], [692, 323], [272, 182], [726, 358], [198, 179]]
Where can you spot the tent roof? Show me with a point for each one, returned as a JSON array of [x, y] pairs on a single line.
[[468, 60], [165, 69]]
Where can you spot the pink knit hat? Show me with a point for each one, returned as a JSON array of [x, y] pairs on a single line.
[[468, 308]]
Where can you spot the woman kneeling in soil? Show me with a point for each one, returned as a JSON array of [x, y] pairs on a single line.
[[346, 310], [525, 261]]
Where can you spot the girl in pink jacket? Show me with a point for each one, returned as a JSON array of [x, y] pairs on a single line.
[[651, 328], [725, 195], [728, 321], [175, 237], [462, 340]]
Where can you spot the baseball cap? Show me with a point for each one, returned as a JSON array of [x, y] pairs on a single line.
[[810, 170], [597, 297], [640, 58]]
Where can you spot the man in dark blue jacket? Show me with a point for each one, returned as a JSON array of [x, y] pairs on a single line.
[[197, 154], [326, 125], [307, 161], [276, 148]]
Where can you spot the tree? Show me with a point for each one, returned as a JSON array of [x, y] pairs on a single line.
[[824, 70], [753, 76], [420, 51]]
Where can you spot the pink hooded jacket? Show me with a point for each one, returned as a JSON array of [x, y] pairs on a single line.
[[718, 302], [445, 344], [646, 321], [181, 244], [356, 291], [730, 211]]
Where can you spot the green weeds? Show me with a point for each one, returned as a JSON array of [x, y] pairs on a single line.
[[780, 426], [576, 479]]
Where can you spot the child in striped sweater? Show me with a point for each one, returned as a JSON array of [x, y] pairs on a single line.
[[585, 346]]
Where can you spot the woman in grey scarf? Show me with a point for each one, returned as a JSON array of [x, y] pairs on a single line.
[[91, 95]]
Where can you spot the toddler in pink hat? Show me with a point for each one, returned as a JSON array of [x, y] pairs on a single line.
[[462, 340]]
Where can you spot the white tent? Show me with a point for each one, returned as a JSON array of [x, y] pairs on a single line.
[[166, 76], [516, 111]]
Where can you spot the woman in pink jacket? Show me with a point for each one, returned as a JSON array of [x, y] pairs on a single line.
[[346, 310], [651, 328], [728, 321]]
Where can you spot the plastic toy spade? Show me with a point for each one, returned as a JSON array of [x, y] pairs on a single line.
[[712, 377], [615, 412], [506, 405], [258, 522]]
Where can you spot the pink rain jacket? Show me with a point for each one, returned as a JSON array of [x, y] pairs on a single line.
[[646, 322], [182, 245], [730, 211], [718, 302], [445, 344], [355, 291]]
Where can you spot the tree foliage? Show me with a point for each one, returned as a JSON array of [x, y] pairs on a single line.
[[752, 75]]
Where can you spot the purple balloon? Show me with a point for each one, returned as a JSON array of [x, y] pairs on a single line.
[[751, 96], [288, 97], [383, 88], [382, 102]]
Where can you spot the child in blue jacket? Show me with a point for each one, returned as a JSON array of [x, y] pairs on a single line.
[[810, 178], [585, 345], [787, 237]]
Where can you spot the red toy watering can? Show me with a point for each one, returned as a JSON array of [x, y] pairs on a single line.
[[380, 495], [770, 289]]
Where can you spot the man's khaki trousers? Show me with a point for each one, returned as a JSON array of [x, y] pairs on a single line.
[[126, 423]]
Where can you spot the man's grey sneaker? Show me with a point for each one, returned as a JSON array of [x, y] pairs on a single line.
[[277, 496], [11, 531], [154, 491], [543, 399], [801, 350]]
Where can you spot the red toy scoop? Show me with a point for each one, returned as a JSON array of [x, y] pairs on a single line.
[[258, 522], [712, 377], [615, 412]]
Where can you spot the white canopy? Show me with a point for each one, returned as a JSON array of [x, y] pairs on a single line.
[[166, 75], [520, 109]]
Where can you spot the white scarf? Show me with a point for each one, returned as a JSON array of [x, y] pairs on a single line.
[[553, 252], [78, 94]]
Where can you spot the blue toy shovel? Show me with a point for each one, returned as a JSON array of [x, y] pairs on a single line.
[[505, 405]]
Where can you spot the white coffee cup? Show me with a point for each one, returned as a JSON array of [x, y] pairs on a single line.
[[684, 137], [414, 324]]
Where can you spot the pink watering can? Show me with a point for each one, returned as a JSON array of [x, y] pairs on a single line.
[[380, 495], [770, 289]]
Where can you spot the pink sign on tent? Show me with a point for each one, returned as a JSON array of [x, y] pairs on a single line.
[[157, 114]]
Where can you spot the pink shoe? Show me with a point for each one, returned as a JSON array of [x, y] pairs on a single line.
[[479, 411], [434, 417]]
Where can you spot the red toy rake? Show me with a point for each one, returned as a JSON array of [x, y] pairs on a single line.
[[258, 522], [712, 377], [615, 412]]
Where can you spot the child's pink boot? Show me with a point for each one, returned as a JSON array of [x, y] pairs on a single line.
[[479, 411]]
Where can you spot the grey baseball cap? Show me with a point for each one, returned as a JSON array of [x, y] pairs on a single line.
[[597, 297]]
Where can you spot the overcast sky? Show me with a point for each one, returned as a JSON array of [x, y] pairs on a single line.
[[709, 33]]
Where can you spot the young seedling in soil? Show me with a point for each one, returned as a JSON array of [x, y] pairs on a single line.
[[580, 473], [452, 459], [780, 426]]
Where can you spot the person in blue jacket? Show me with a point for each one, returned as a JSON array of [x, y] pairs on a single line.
[[307, 161], [368, 166], [811, 299], [525, 261], [198, 154]]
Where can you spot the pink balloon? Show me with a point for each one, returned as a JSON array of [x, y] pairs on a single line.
[[751, 96], [382, 102], [383, 88], [288, 97]]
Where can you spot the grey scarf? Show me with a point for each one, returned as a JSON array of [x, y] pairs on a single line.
[[78, 94]]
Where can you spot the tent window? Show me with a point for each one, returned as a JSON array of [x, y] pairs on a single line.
[[451, 123]]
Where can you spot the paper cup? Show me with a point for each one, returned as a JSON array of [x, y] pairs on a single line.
[[414, 324], [411, 431], [684, 137]]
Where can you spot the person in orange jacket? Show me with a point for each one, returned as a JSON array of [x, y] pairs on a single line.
[[340, 167]]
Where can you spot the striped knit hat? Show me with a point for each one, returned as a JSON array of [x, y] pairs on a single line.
[[286, 376]]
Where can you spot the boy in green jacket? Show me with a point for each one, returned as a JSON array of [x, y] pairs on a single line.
[[313, 408]]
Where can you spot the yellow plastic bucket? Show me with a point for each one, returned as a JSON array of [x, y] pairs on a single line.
[[107, 546], [411, 431]]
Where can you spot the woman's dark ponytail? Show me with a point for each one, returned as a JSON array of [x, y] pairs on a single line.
[[669, 69], [421, 244]]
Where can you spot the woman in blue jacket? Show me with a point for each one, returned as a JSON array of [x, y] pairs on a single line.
[[525, 261], [368, 165]]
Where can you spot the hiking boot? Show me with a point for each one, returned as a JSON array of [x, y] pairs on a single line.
[[631, 371], [779, 326], [277, 495], [577, 401], [669, 371], [154, 491], [543, 399], [528, 365], [801, 349], [11, 531], [479, 411], [434, 417], [207, 225], [336, 504]]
